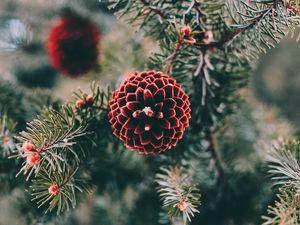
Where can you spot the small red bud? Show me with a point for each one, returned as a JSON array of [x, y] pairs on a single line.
[[89, 99], [33, 159], [186, 30], [182, 206], [79, 103], [53, 190], [27, 146]]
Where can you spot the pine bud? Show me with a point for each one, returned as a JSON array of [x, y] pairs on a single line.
[[33, 159], [89, 99], [27, 146], [53, 190], [79, 103], [182, 206], [186, 30]]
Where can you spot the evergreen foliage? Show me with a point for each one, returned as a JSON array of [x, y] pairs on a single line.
[[209, 47]]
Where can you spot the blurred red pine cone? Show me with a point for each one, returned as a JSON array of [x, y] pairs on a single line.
[[73, 45]]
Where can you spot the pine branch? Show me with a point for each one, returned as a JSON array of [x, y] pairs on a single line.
[[259, 25], [58, 190], [177, 192], [185, 32], [231, 35], [52, 134], [174, 55], [195, 65], [154, 9], [215, 81], [284, 164], [286, 210], [152, 15], [91, 106], [55, 145]]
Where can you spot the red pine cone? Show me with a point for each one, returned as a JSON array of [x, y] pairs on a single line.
[[27, 146], [33, 159], [149, 112], [73, 45], [54, 190]]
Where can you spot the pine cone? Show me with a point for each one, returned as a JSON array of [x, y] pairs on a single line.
[[73, 45], [149, 112]]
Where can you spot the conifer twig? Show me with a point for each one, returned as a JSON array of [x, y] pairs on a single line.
[[201, 16], [214, 149], [175, 53], [178, 193], [101, 108], [285, 210], [153, 9], [231, 35], [263, 14]]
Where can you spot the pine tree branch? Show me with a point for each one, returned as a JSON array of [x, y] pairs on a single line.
[[67, 179], [154, 9], [200, 14], [178, 193], [174, 54], [284, 167], [231, 35], [250, 24], [56, 143], [66, 184], [215, 153], [286, 209], [284, 164]]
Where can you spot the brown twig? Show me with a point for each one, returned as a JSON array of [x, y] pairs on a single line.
[[201, 16], [153, 9], [228, 37], [101, 108], [231, 35], [215, 153], [175, 53], [67, 179]]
